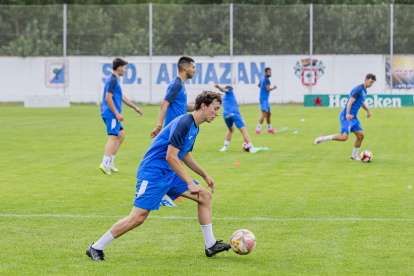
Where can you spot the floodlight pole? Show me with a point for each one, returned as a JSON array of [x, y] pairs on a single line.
[[310, 43], [64, 47], [231, 30], [391, 45], [150, 51]]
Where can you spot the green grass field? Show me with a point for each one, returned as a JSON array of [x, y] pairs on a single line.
[[313, 211]]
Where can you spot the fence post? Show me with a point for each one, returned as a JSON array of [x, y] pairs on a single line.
[[64, 47], [391, 44], [310, 43], [150, 51]]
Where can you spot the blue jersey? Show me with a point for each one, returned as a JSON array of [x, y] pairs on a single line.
[[177, 97], [264, 95], [111, 86], [229, 103], [359, 93], [181, 133]]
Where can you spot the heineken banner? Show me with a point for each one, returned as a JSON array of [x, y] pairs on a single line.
[[370, 101]]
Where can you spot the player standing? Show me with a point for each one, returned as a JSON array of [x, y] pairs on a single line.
[[348, 117], [161, 172], [232, 116], [264, 102], [111, 108]]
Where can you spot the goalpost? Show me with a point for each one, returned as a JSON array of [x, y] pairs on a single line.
[[146, 81]]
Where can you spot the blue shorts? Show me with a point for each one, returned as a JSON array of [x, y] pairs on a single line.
[[234, 118], [113, 127], [150, 192], [264, 105], [349, 126]]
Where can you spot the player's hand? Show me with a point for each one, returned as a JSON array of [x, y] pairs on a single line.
[[194, 189], [274, 87], [368, 114], [155, 132], [349, 117], [139, 110], [119, 117], [211, 183], [217, 86]]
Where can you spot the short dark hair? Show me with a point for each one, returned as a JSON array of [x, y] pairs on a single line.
[[229, 87], [118, 62], [371, 76], [206, 97], [184, 61], [267, 69]]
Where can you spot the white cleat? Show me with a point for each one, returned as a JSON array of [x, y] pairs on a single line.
[[318, 140], [355, 158], [104, 169], [112, 168]]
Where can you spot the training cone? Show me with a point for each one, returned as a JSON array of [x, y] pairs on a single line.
[[178, 199], [237, 164]]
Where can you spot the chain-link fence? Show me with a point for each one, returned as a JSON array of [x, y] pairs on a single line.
[[204, 30]]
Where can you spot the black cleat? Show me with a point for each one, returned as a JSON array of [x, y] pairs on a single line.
[[94, 254], [217, 248]]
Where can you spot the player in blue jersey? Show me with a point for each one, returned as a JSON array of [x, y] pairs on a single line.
[[161, 172], [175, 103], [264, 102], [111, 114], [232, 116], [348, 117]]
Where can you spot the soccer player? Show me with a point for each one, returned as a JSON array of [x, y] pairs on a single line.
[[348, 117], [232, 116], [264, 102], [111, 114], [161, 172], [175, 103]]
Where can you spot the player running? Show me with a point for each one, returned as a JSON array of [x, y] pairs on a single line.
[[264, 102], [111, 108], [232, 116], [348, 117], [161, 172]]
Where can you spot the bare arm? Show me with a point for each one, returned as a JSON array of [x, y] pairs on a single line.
[[222, 89], [161, 116], [192, 164], [131, 104], [351, 101], [190, 107], [364, 106], [111, 105], [268, 89]]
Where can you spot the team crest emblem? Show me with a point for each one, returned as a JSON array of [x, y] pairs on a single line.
[[304, 72], [56, 73]]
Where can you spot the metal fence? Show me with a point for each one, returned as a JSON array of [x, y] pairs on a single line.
[[205, 30]]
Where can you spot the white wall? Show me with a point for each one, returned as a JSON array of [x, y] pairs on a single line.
[[31, 76]]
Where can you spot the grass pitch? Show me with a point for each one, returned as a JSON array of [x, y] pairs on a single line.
[[313, 211]]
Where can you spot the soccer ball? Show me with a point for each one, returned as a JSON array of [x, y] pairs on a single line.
[[244, 147], [243, 241], [366, 156]]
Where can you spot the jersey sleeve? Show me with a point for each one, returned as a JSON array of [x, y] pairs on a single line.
[[357, 92], [177, 136], [112, 85], [267, 81], [173, 93]]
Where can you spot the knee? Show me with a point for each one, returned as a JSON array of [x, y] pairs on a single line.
[[361, 137], [268, 114], [206, 197], [344, 137], [121, 138], [136, 221]]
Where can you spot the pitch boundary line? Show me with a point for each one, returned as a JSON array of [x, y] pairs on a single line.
[[195, 218]]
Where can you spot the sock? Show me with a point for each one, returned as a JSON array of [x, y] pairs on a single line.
[[259, 126], [327, 138], [105, 160], [355, 152], [269, 126], [226, 143], [250, 145], [209, 239], [103, 241], [111, 161]]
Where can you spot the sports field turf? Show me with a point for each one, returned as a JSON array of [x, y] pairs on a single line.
[[313, 211]]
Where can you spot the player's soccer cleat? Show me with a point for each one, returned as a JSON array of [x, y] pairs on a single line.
[[223, 149], [104, 169], [167, 202], [318, 140], [112, 168], [217, 248], [258, 131], [272, 131], [355, 158], [254, 150], [94, 254]]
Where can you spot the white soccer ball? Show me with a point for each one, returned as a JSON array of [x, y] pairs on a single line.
[[243, 241], [366, 156]]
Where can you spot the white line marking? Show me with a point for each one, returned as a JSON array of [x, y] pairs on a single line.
[[195, 218], [282, 129]]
